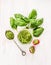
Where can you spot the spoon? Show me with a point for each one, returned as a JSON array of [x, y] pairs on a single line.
[[10, 35]]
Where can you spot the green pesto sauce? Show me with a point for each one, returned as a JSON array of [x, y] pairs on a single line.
[[24, 36], [9, 35]]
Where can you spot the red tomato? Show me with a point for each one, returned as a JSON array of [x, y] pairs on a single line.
[[36, 41]]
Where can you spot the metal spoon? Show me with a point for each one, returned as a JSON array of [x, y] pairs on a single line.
[[10, 35], [23, 52]]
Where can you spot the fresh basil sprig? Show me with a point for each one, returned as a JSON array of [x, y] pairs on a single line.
[[29, 22]]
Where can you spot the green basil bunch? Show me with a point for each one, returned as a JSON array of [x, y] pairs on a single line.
[[31, 21], [35, 23]]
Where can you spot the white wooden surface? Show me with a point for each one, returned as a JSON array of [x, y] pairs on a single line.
[[9, 53]]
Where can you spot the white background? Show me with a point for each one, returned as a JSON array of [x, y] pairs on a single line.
[[9, 53]]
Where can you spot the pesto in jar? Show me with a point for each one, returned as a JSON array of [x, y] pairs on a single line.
[[24, 36]]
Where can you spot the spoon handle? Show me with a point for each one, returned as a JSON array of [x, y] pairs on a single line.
[[23, 52]]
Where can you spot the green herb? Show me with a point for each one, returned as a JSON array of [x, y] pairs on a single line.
[[21, 17], [20, 22], [39, 22], [33, 14], [33, 23], [18, 15], [29, 22], [12, 23], [38, 31], [36, 23], [26, 19]]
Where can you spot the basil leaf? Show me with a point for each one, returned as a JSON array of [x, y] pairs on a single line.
[[22, 17], [35, 23], [39, 21], [18, 15], [26, 19], [38, 31], [12, 23], [33, 14], [20, 22]]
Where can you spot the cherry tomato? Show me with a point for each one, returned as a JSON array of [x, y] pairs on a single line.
[[32, 49], [36, 41]]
